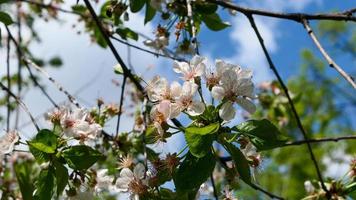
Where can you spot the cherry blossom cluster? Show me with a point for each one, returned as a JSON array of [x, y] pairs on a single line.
[[229, 84], [76, 123]]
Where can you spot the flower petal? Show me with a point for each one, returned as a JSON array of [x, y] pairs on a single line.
[[218, 92], [176, 90], [246, 104], [227, 111], [196, 108], [139, 171]]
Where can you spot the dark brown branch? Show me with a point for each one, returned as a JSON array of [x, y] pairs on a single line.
[[120, 105], [214, 187], [106, 37], [273, 196], [332, 139], [330, 61], [22, 104], [285, 89], [147, 51], [343, 16]]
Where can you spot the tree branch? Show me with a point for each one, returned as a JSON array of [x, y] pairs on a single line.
[[330, 61], [285, 89], [22, 104], [343, 16]]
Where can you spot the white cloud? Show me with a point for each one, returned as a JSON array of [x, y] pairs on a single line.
[[248, 50]]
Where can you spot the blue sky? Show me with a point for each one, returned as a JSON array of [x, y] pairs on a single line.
[[237, 44]]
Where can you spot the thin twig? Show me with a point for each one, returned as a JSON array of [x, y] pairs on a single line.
[[8, 85], [192, 25], [19, 67], [214, 187], [106, 37], [320, 140], [59, 86], [273, 196], [32, 76], [21, 103], [120, 105], [157, 54], [330, 61], [343, 16], [285, 89]]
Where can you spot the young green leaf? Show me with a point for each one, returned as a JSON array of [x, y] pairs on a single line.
[[209, 129], [61, 177], [199, 145], [214, 22], [5, 18], [240, 161], [81, 157], [262, 133], [45, 184], [24, 172], [45, 141], [193, 172]]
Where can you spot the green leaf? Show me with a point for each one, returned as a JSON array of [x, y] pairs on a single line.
[[45, 141], [240, 161], [56, 62], [45, 184], [193, 172], [40, 156], [350, 188], [5, 18], [81, 157], [150, 12], [199, 145], [79, 9], [213, 22], [127, 33], [205, 8], [61, 177], [23, 172], [209, 129], [262, 133], [136, 5]]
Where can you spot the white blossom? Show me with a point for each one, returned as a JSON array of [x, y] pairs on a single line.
[[133, 182], [104, 181], [186, 101], [190, 71], [158, 89], [213, 78], [8, 141], [235, 86], [77, 124], [159, 43], [309, 188]]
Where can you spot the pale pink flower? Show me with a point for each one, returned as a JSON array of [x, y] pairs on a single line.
[[235, 86], [186, 102], [78, 124], [8, 141], [191, 70]]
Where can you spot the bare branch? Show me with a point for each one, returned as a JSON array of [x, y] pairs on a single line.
[[50, 6], [59, 86], [33, 78], [285, 89], [120, 106], [331, 139], [21, 103], [344, 16], [330, 61]]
